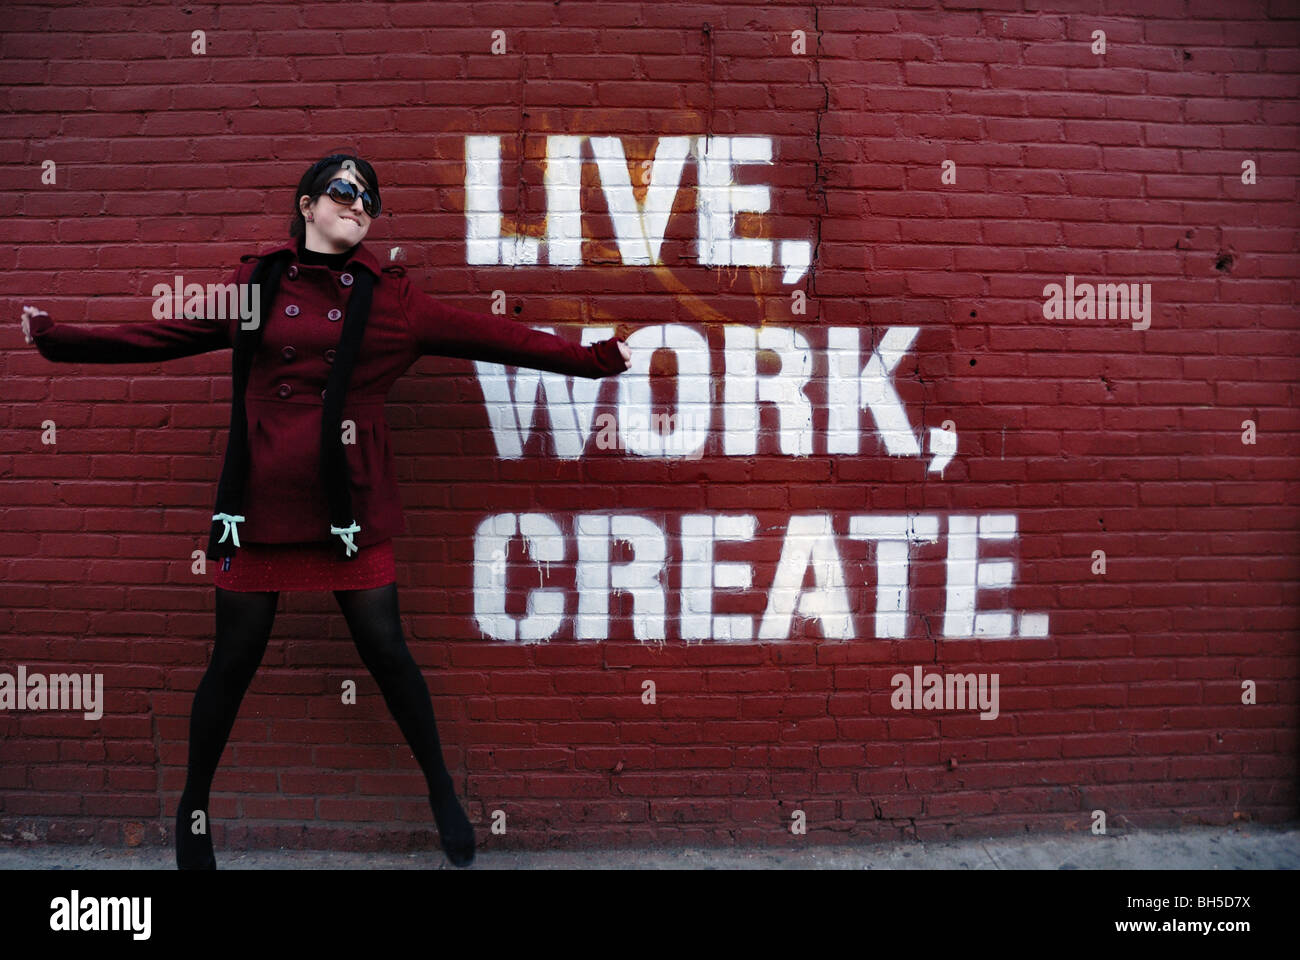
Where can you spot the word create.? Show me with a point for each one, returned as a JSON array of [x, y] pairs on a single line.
[[585, 543]]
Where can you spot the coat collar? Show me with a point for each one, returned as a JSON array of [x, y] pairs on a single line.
[[361, 256]]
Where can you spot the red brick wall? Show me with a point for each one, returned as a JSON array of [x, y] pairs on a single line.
[[1122, 167]]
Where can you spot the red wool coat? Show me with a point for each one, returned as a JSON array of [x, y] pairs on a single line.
[[285, 499]]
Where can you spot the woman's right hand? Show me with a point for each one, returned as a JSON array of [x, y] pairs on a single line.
[[28, 314]]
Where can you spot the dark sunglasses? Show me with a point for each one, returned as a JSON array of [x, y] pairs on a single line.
[[346, 192]]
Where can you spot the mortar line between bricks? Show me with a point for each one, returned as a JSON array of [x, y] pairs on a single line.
[[521, 146], [819, 183]]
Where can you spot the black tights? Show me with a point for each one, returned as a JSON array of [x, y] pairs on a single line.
[[243, 628]]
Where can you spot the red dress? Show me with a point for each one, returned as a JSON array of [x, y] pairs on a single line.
[[304, 566]]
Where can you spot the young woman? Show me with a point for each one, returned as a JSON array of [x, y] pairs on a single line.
[[298, 508]]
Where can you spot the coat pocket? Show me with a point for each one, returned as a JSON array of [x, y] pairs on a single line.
[[366, 453], [284, 446]]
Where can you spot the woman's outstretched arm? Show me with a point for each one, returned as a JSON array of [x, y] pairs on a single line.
[[446, 331], [131, 342]]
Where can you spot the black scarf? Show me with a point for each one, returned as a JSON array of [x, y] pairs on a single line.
[[333, 461]]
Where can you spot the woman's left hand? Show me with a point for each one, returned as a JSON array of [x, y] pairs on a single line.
[[627, 354]]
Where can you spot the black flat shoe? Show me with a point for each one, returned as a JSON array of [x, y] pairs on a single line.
[[455, 832], [193, 850]]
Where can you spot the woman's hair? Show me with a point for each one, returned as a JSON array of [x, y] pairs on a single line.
[[318, 176]]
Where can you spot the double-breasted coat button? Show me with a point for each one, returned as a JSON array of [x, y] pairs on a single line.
[[293, 271], [285, 390], [335, 314], [291, 310], [329, 355], [346, 279], [288, 353]]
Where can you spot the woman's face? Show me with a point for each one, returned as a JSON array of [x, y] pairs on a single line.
[[331, 226]]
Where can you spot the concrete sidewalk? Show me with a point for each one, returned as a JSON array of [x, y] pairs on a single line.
[[1239, 847]]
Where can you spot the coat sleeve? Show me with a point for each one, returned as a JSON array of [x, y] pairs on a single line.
[[446, 331], [132, 342]]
